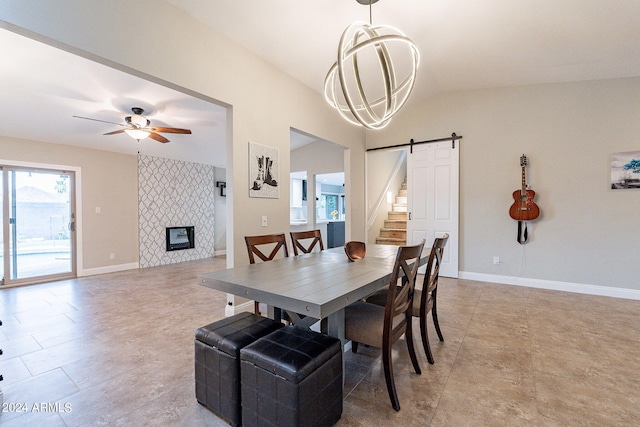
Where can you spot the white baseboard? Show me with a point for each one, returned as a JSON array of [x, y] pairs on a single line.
[[581, 288], [108, 269], [220, 252]]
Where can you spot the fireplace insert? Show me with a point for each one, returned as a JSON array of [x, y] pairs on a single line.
[[180, 238]]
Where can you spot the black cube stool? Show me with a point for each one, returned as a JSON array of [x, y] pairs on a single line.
[[217, 361], [292, 377]]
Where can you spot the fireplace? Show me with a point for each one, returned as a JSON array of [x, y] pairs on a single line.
[[179, 238]]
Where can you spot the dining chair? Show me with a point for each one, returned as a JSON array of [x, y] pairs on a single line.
[[381, 327], [425, 299], [253, 243], [300, 240]]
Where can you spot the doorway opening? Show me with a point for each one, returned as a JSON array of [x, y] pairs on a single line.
[[38, 224], [319, 196]]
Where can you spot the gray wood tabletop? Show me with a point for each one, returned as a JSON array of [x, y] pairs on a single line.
[[317, 284]]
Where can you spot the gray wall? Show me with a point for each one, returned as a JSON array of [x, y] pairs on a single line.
[[587, 233]]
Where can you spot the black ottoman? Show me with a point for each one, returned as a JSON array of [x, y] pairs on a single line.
[[292, 377], [217, 360]]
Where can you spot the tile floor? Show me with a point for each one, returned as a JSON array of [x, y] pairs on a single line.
[[117, 349]]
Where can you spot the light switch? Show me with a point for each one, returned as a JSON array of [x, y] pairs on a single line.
[[264, 220], [97, 209]]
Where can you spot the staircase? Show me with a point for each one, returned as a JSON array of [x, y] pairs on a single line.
[[394, 231]]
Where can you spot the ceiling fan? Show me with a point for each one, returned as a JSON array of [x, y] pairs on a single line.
[[139, 127]]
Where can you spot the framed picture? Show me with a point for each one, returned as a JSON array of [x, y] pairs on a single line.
[[625, 170], [264, 166]]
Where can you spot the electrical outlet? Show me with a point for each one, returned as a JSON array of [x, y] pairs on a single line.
[[264, 220], [496, 260], [112, 256]]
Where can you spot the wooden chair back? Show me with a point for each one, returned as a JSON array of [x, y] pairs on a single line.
[[398, 309], [432, 273], [253, 242], [307, 246]]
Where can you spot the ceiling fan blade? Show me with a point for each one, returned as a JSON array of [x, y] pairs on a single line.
[[157, 137], [114, 132], [171, 130], [102, 121]]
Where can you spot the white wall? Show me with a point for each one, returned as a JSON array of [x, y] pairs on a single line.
[[586, 233]]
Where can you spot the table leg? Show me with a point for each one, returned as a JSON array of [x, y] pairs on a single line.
[[335, 325], [274, 313], [335, 328]]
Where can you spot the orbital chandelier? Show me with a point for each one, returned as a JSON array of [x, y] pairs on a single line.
[[371, 95]]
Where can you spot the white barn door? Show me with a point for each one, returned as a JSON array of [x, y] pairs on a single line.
[[433, 187]]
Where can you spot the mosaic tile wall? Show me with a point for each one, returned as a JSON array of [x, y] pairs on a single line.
[[174, 193]]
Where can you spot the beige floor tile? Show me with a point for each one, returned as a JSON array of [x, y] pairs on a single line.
[[119, 348], [34, 419], [456, 411], [176, 407], [578, 403], [13, 370], [48, 388], [495, 355], [509, 393]]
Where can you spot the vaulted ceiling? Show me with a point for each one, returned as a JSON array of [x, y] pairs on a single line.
[[464, 44]]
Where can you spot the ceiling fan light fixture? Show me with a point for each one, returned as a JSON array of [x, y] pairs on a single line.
[[138, 121], [137, 134], [139, 127]]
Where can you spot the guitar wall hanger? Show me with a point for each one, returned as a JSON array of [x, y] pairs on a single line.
[[523, 208]]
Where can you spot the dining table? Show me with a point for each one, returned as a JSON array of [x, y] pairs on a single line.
[[317, 285]]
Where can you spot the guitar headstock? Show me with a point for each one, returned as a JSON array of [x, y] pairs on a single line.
[[523, 160]]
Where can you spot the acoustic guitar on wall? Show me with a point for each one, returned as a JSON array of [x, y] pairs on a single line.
[[523, 207]]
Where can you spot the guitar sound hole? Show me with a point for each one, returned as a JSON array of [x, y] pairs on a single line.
[[524, 198]]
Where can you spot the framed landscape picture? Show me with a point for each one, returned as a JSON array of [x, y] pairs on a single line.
[[264, 166], [625, 170]]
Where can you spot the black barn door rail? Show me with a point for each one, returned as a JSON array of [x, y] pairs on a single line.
[[453, 138]]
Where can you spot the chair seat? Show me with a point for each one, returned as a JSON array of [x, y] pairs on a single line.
[[363, 323], [380, 298]]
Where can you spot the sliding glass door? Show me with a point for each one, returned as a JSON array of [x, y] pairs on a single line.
[[38, 219]]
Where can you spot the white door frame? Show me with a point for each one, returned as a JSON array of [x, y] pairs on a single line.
[[79, 271]]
